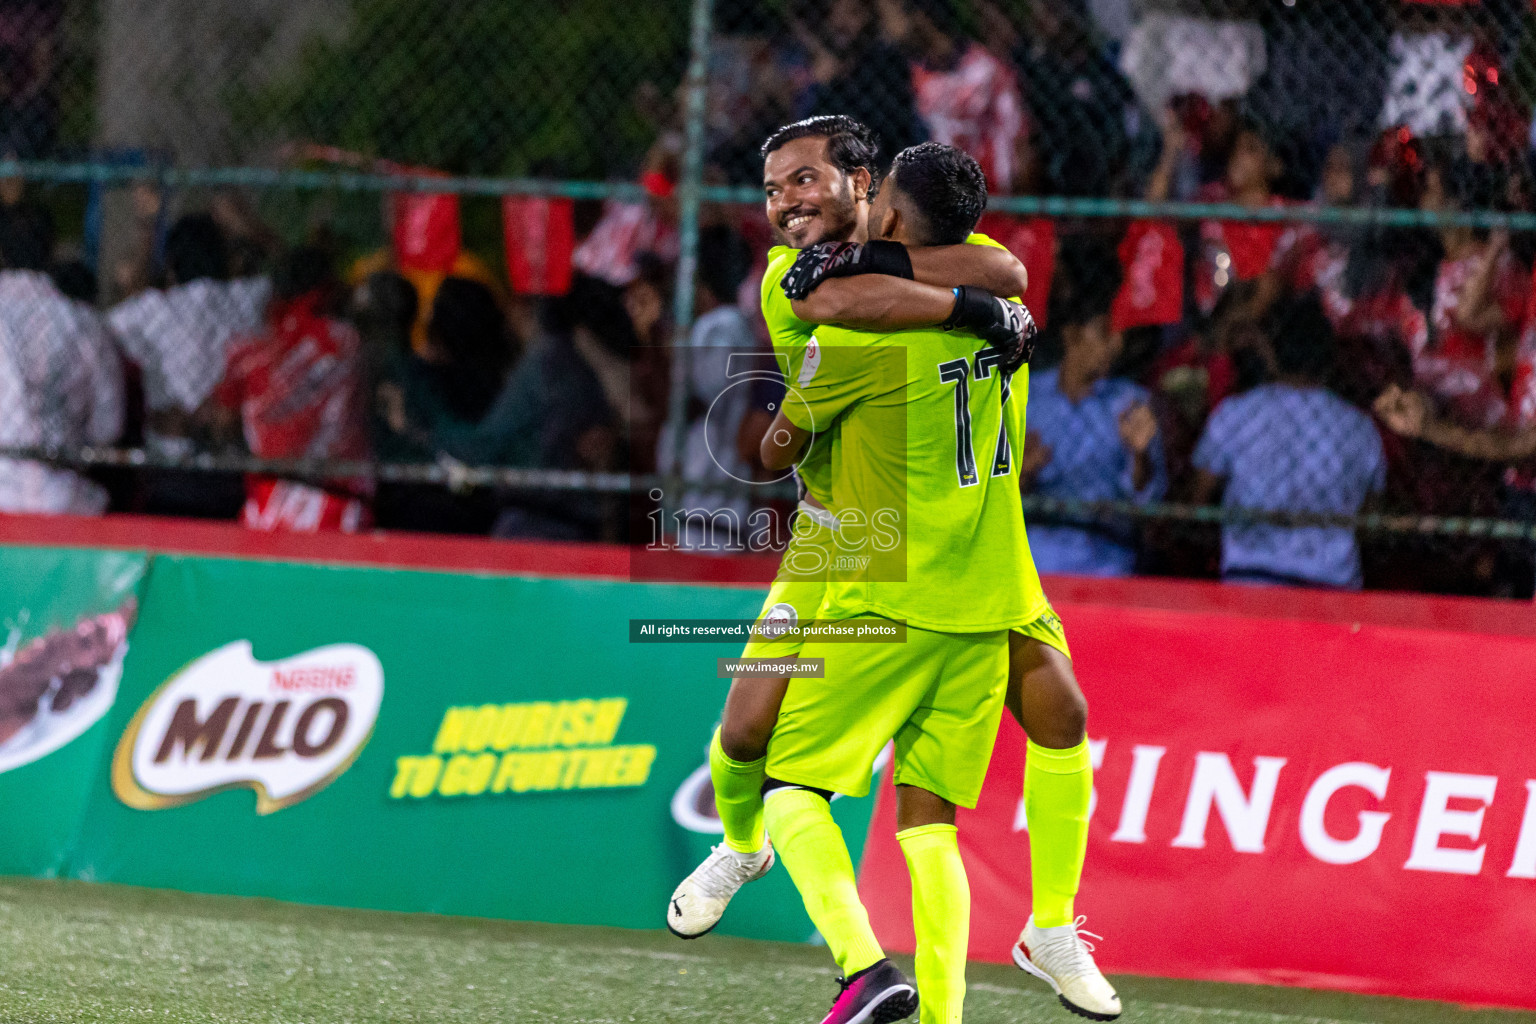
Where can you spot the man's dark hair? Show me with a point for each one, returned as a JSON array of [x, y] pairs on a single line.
[[469, 330], [304, 270], [391, 298], [75, 279], [26, 237], [1301, 336], [595, 305], [943, 14], [947, 188], [653, 270], [196, 248], [1268, 134], [385, 309], [850, 144], [467, 322], [1090, 275]]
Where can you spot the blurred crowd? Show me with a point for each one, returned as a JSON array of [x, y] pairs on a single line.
[[1320, 368], [1075, 97], [218, 340]]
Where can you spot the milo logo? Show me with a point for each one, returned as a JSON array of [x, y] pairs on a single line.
[[285, 729]]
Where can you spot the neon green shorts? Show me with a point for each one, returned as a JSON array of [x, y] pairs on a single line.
[[800, 583], [1048, 630], [938, 695]]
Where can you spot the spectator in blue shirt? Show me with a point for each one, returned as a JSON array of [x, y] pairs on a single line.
[[1092, 437], [1292, 446]]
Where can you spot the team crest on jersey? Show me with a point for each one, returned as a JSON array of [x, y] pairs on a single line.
[[781, 618], [812, 361]]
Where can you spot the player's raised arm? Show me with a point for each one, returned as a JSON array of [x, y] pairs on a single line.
[[876, 302], [988, 267], [1409, 413], [826, 267], [882, 303]]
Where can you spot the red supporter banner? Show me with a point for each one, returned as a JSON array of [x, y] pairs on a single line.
[[1334, 804], [1152, 289], [1033, 241], [426, 231], [540, 237]]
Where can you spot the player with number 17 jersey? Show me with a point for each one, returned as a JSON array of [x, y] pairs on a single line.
[[800, 581]]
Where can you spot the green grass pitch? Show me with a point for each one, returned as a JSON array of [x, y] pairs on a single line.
[[75, 953]]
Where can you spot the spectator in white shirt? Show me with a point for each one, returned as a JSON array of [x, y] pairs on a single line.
[[61, 384], [1427, 61], [178, 336]]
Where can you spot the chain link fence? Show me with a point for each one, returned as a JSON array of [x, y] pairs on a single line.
[[1281, 253]]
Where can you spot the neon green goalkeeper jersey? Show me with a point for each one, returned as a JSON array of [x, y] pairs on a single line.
[[791, 336], [925, 481]]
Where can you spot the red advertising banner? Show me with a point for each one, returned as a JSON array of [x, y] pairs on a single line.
[[1033, 241], [425, 231], [540, 239], [1152, 290], [1334, 804]]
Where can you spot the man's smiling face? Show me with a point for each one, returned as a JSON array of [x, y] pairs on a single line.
[[808, 199]]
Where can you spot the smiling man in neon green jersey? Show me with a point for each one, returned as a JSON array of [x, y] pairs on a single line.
[[817, 184], [920, 425], [819, 181]]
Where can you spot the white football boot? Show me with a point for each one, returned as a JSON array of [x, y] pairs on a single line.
[[1060, 958], [700, 901]]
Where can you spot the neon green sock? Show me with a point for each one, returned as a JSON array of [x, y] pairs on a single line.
[[941, 917], [738, 797], [811, 846], [1057, 787]]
